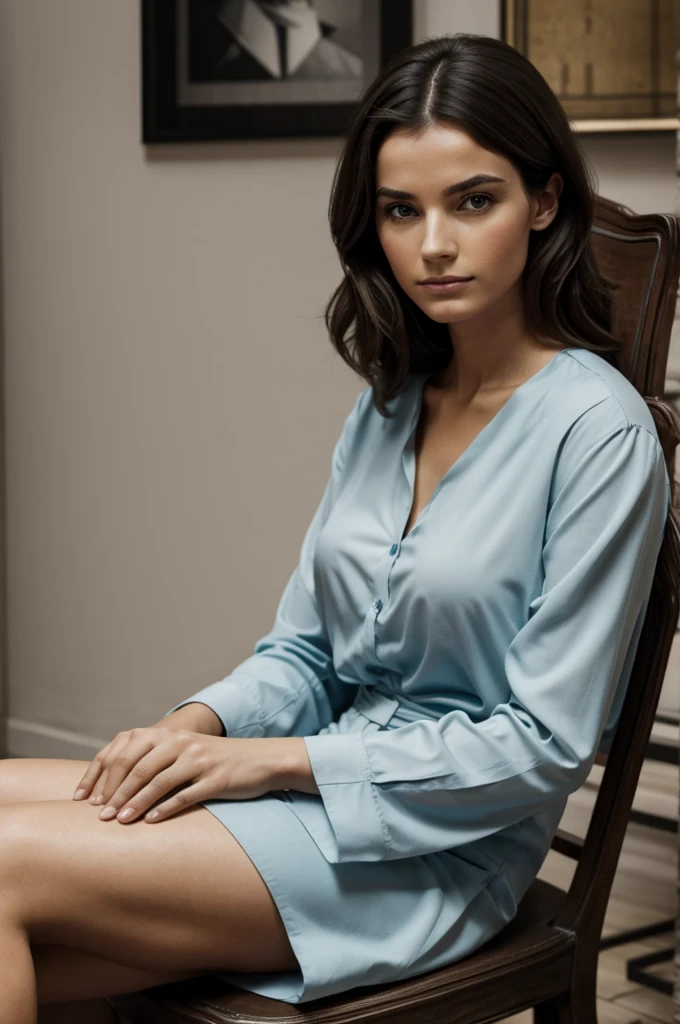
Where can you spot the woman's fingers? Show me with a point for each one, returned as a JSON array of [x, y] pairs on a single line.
[[92, 774], [130, 766], [84, 787], [96, 796], [186, 797], [109, 756], [157, 776], [94, 777]]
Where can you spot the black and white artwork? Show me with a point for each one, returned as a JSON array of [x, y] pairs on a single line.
[[228, 69]]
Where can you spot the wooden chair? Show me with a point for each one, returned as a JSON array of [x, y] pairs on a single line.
[[546, 957]]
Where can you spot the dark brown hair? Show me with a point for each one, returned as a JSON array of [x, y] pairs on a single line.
[[491, 91]]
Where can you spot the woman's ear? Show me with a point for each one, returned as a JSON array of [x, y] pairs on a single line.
[[546, 205]]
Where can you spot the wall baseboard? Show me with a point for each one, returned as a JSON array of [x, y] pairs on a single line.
[[29, 739]]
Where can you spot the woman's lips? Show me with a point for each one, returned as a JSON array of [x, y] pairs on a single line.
[[449, 287]]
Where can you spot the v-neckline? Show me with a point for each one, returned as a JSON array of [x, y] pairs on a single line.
[[408, 450]]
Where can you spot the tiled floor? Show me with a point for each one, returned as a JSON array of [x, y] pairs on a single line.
[[644, 891]]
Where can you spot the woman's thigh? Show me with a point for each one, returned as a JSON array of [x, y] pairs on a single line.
[[25, 779], [175, 896]]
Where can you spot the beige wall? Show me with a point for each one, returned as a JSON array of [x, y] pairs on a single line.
[[171, 396]]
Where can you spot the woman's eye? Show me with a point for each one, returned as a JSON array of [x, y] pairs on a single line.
[[479, 195], [488, 201], [397, 206]]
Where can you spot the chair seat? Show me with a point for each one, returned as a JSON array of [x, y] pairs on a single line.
[[527, 962]]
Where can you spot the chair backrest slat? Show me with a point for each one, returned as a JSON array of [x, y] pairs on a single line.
[[640, 255]]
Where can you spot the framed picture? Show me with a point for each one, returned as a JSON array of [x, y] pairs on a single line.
[[262, 69], [611, 63]]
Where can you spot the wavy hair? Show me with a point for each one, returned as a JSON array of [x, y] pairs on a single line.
[[491, 91]]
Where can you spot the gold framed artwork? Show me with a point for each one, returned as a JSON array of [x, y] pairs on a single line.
[[611, 63]]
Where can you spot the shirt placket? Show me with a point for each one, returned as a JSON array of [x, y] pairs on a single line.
[[374, 700]]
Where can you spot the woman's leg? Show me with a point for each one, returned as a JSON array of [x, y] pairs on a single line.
[[59, 971], [150, 903], [72, 975]]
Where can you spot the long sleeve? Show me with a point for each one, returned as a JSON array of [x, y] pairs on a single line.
[[288, 687], [434, 785]]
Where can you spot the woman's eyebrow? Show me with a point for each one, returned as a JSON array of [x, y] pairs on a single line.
[[478, 179]]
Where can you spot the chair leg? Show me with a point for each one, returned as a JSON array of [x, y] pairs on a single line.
[[578, 1006], [554, 1011]]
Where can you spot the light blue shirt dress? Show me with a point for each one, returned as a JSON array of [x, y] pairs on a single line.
[[454, 685]]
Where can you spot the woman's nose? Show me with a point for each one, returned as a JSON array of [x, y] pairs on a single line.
[[438, 239]]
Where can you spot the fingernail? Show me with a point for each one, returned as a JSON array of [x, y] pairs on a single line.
[[107, 813], [96, 799], [124, 815], [78, 793]]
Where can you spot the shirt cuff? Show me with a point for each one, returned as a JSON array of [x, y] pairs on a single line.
[[343, 775]]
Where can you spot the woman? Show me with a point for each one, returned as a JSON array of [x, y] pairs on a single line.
[[369, 795]]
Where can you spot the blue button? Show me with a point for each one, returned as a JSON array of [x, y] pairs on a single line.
[[378, 605], [393, 549]]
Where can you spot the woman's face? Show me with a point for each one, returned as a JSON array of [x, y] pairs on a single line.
[[480, 231]]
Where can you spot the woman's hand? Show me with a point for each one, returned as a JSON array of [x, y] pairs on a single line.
[[194, 717], [142, 766]]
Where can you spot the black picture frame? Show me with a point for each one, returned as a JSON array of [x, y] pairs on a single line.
[[166, 120]]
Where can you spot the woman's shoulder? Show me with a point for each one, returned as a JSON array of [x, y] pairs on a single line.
[[593, 399], [593, 383], [601, 418]]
